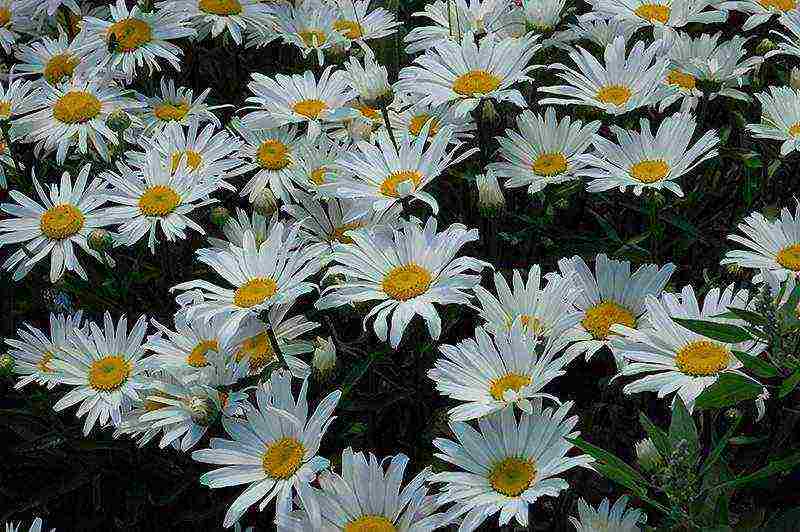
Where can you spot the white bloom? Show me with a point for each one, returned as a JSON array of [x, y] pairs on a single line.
[[173, 105], [371, 80], [616, 518], [214, 17], [780, 118], [360, 24], [599, 31], [662, 14], [760, 11], [409, 121], [236, 227], [55, 60], [311, 26]]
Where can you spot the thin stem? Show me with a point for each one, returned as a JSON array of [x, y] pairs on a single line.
[[275, 347], [385, 113], [67, 26], [6, 126]]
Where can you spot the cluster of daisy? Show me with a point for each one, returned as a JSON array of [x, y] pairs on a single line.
[[336, 163]]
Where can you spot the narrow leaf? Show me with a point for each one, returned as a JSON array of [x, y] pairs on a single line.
[[729, 390], [760, 367], [722, 332]]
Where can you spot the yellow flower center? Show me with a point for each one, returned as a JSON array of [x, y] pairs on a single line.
[[550, 164], [197, 358], [313, 37], [5, 109], [512, 476], [601, 317], [259, 350], [368, 112], [339, 233], [418, 122], [653, 12], [130, 33], [531, 324], [43, 365], [350, 28], [254, 292], [5, 16], [649, 171], [370, 523], [318, 176], [283, 458], [614, 94], [475, 82], [407, 282], [389, 185], [76, 107], [109, 373], [512, 381], [159, 200], [273, 155], [310, 108], [702, 358], [795, 130], [60, 67], [192, 158], [61, 221], [789, 257], [220, 7], [169, 111], [681, 79], [778, 5]]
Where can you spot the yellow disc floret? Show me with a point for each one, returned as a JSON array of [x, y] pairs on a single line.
[[273, 155], [417, 122], [614, 94], [282, 458], [76, 107], [512, 476], [599, 319], [512, 381], [475, 82], [159, 200], [654, 12], [349, 28], [61, 221], [109, 373], [130, 33], [370, 523], [60, 67], [389, 185], [649, 171], [789, 257], [254, 292], [310, 108], [407, 282], [220, 7], [197, 358], [702, 358], [192, 158], [550, 164], [259, 351]]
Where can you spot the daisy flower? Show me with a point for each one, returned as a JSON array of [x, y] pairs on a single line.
[[54, 59], [153, 197], [314, 160], [174, 105], [104, 367], [453, 20], [760, 11], [207, 156], [51, 6], [64, 217], [406, 272], [408, 122], [648, 160], [675, 358], [790, 43], [327, 222], [369, 496], [236, 227], [772, 245], [15, 17], [370, 81], [465, 74], [134, 39], [184, 350], [600, 31], [780, 118], [508, 465], [252, 345], [18, 97], [269, 153], [545, 311], [236, 18], [681, 82], [618, 517], [274, 450], [358, 24], [611, 295], [74, 114], [541, 16], [310, 26], [33, 352], [261, 276], [385, 175], [489, 373], [661, 14], [296, 99], [618, 87], [545, 151], [36, 525]]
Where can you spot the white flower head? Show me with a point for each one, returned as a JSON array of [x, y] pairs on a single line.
[[780, 118], [616, 518]]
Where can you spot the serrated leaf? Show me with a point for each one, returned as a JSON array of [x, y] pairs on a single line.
[[760, 367], [730, 389], [722, 332]]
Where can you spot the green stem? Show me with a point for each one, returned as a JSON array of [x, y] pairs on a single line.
[[7, 139], [385, 114]]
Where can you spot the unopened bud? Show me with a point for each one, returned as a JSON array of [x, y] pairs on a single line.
[[489, 114], [265, 203], [490, 198], [794, 78], [202, 410], [220, 216], [118, 121], [100, 240], [324, 359], [647, 455], [765, 46], [6, 364]]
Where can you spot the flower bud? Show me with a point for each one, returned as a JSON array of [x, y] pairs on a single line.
[[794, 78], [202, 410], [324, 359], [647, 455], [488, 112], [220, 216], [100, 240], [265, 203], [118, 121], [6, 364], [490, 198], [765, 46]]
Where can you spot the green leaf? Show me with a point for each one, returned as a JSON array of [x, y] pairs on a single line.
[[749, 316], [658, 436], [682, 427], [771, 469], [722, 332], [717, 452], [729, 390], [760, 367], [612, 467], [788, 385]]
